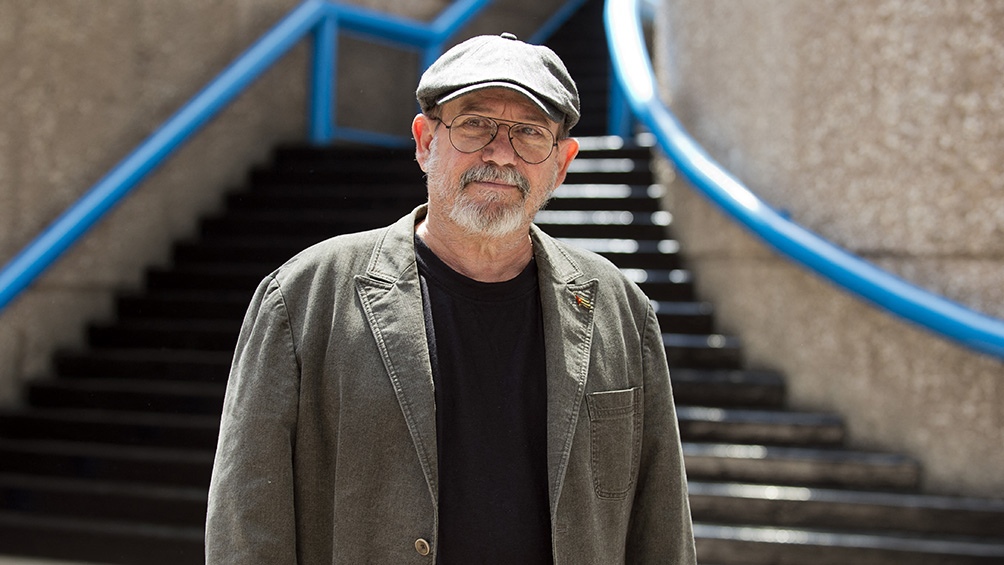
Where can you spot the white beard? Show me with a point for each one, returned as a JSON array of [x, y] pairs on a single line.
[[491, 216]]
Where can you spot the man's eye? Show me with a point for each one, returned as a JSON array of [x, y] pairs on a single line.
[[528, 132], [475, 123]]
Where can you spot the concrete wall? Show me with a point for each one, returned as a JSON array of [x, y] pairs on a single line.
[[877, 125], [82, 83]]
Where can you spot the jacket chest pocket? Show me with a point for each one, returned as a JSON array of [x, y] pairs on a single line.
[[615, 420]]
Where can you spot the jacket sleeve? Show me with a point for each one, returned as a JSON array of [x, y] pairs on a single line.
[[661, 530], [251, 506]]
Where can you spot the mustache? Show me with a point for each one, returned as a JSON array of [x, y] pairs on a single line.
[[489, 173]]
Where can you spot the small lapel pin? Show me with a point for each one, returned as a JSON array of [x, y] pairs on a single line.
[[580, 301]]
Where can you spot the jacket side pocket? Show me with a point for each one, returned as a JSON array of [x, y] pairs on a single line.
[[615, 419]]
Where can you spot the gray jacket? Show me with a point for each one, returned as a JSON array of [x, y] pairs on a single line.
[[327, 450]]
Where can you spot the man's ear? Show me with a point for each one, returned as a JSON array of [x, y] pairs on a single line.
[[421, 129], [567, 149]]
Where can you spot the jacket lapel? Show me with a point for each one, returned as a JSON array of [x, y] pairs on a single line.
[[392, 299], [568, 332]]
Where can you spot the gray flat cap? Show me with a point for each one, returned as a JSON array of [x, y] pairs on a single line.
[[493, 61]]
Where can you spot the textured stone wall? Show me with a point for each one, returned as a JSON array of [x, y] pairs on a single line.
[[878, 126]]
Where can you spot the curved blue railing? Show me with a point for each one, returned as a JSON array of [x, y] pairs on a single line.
[[634, 73], [322, 18]]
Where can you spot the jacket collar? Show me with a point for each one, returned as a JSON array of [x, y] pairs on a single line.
[[390, 261], [394, 254]]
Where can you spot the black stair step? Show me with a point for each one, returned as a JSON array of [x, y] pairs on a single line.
[[130, 395], [113, 543], [332, 199], [657, 260], [204, 366], [354, 172], [668, 289], [644, 198], [663, 285], [592, 230], [787, 506], [800, 466], [604, 147], [269, 253], [735, 388], [242, 277], [661, 254], [637, 205], [767, 546], [318, 224], [104, 462], [713, 351], [189, 305], [96, 500], [615, 169], [291, 192], [120, 428], [685, 317], [618, 163], [596, 175], [605, 221], [166, 333], [304, 159], [767, 427]]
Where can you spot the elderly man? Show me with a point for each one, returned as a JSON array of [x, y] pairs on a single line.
[[458, 387]]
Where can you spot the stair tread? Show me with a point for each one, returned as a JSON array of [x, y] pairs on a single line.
[[766, 452], [260, 270], [85, 415], [103, 487], [762, 426], [607, 191], [712, 341], [683, 308], [825, 538], [625, 246], [772, 504], [21, 520], [738, 415], [150, 354], [172, 324], [800, 465], [909, 500], [137, 385], [614, 217], [758, 377], [105, 450]]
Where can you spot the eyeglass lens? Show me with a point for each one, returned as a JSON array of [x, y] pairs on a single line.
[[470, 133]]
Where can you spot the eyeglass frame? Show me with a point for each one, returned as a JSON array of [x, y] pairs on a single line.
[[497, 121]]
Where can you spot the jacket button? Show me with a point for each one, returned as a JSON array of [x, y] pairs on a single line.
[[422, 547]]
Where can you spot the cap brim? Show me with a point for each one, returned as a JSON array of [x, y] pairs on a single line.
[[550, 111]]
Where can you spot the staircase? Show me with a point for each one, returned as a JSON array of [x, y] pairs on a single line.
[[108, 459]]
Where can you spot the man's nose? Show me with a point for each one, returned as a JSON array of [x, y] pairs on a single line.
[[500, 150]]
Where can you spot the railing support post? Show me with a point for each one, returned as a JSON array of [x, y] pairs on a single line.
[[322, 82]]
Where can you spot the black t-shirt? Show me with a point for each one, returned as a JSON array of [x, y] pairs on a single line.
[[487, 346]]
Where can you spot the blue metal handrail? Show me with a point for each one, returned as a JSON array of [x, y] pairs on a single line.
[[324, 19], [633, 70]]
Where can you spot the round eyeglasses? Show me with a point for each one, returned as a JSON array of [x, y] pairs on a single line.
[[470, 133]]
